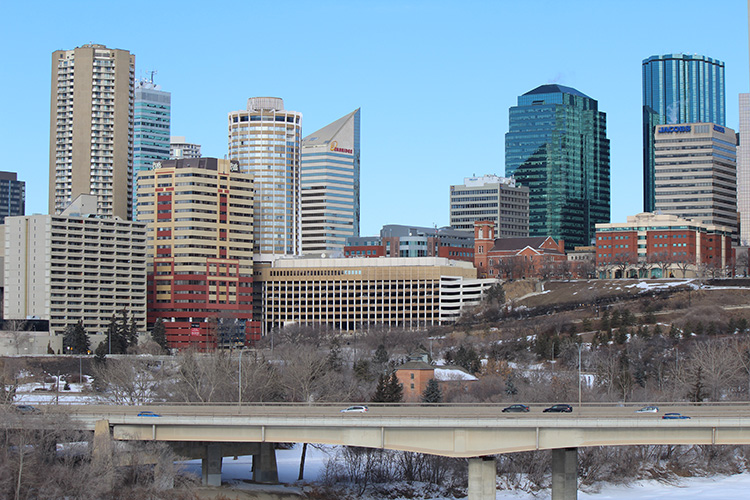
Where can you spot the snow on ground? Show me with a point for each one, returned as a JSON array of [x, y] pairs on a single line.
[[719, 487]]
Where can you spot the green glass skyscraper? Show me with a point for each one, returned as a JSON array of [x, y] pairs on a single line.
[[678, 88], [557, 146]]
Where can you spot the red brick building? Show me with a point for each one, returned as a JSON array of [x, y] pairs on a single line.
[[409, 241], [514, 258], [651, 245]]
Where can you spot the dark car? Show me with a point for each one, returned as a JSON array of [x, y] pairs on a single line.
[[26, 409], [674, 416], [559, 409], [516, 409]]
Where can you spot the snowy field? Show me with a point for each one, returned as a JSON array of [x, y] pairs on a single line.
[[735, 487]]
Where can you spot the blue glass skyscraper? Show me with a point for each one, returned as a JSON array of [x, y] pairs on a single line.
[[678, 88], [151, 123], [557, 146]]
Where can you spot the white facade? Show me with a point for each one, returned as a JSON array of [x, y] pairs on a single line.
[[696, 173], [493, 198], [179, 148], [70, 268], [329, 180], [266, 139], [743, 170]]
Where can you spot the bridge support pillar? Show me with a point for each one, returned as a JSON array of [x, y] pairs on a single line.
[[482, 478], [211, 465], [264, 464], [101, 452], [565, 474]]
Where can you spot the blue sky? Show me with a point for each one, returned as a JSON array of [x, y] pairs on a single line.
[[434, 79]]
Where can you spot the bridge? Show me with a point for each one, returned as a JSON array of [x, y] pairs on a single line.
[[475, 432]]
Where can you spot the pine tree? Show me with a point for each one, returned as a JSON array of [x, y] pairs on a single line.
[[334, 361], [159, 334], [395, 389], [133, 332], [381, 355], [381, 390], [100, 353], [432, 393], [75, 339]]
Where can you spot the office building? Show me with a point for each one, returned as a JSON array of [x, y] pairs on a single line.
[[651, 245], [265, 139], [743, 171], [695, 173], [494, 198], [352, 294], [150, 128], [412, 241], [12, 195], [75, 266], [329, 180], [199, 215], [91, 129], [557, 146], [678, 88], [179, 148]]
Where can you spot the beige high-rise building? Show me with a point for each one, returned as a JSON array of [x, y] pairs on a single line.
[[696, 173], [73, 267], [265, 139], [91, 129]]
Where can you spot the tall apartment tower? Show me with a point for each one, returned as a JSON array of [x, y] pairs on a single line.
[[678, 88], [329, 180], [266, 140], [199, 238], [179, 148], [91, 129], [743, 171], [12, 196], [498, 199], [151, 128], [557, 146], [695, 173]]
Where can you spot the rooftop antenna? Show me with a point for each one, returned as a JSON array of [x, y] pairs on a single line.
[[153, 72]]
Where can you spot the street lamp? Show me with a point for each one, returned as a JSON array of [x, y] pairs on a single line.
[[580, 346], [239, 381]]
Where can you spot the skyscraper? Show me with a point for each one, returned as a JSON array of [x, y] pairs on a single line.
[[743, 171], [91, 129], [695, 173], [557, 146], [151, 128], [199, 241], [678, 88], [12, 195], [265, 140], [329, 179]]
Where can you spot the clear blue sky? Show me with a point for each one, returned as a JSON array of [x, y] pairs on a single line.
[[434, 79]]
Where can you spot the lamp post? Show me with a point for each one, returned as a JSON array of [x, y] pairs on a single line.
[[580, 346], [239, 381]]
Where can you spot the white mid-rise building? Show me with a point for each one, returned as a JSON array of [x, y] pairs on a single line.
[[265, 139], [74, 267], [743, 170], [493, 198], [179, 148]]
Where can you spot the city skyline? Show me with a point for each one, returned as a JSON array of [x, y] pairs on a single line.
[[443, 62]]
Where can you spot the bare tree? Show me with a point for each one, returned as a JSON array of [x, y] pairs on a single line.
[[19, 338], [131, 380]]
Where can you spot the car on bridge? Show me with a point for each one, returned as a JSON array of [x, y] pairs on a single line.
[[517, 408], [674, 416], [26, 409], [148, 414], [355, 409], [558, 409], [648, 409]]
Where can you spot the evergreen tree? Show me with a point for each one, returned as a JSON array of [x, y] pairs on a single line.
[[467, 358], [622, 335], [616, 320], [510, 387], [381, 390], [604, 324], [100, 353], [381, 355], [395, 389], [432, 393], [362, 369], [586, 325], [159, 334], [75, 339], [334, 361], [697, 393], [133, 332], [657, 330]]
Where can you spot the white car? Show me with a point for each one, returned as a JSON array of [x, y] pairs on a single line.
[[648, 409], [355, 409]]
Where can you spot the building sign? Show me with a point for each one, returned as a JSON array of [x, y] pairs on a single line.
[[195, 329], [719, 129], [674, 128], [335, 147]]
